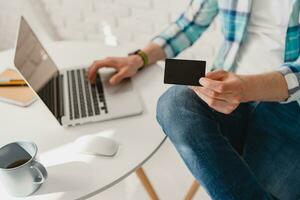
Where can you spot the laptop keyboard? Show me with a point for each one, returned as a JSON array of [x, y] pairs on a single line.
[[85, 100]]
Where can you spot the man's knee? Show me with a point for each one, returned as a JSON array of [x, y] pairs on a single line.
[[175, 100]]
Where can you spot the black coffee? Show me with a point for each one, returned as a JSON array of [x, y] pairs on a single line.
[[17, 163]]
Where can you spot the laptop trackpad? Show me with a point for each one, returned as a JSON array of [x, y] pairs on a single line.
[[122, 87], [122, 99]]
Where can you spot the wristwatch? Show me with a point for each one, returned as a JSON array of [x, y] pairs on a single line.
[[143, 55]]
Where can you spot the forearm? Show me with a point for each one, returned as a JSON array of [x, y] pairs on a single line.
[[154, 53], [265, 87]]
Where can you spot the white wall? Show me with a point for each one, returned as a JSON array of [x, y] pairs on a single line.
[[9, 20], [105, 21]]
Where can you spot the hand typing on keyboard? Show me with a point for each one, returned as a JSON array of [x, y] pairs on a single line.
[[126, 66]]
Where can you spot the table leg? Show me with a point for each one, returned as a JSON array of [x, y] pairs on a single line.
[[192, 191], [146, 183]]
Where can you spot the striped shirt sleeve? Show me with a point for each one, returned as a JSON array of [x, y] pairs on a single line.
[[188, 27], [291, 73]]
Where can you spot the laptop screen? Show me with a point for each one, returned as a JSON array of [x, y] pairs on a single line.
[[37, 68]]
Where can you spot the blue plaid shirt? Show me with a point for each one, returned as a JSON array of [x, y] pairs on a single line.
[[234, 16]]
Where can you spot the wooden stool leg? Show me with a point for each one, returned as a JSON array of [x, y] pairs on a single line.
[[192, 191], [146, 183]]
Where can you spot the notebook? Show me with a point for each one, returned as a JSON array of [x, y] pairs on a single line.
[[21, 96]]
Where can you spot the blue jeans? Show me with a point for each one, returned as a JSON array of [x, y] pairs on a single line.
[[252, 153]]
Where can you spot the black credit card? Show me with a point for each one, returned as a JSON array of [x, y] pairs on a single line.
[[184, 72]]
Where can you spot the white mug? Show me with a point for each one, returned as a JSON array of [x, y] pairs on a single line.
[[20, 172]]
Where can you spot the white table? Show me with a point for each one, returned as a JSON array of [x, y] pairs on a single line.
[[78, 176]]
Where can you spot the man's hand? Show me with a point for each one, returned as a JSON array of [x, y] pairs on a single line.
[[224, 91], [125, 67], [221, 90]]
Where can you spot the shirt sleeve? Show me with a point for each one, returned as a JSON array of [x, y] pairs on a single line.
[[188, 27], [291, 73]]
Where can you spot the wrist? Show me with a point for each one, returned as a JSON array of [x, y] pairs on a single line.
[[249, 83], [142, 55], [137, 61], [264, 87]]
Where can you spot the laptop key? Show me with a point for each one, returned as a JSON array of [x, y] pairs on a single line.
[[88, 95], [70, 98], [81, 97], [101, 94], [76, 108], [95, 100]]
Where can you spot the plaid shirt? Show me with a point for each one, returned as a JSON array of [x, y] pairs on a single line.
[[234, 16]]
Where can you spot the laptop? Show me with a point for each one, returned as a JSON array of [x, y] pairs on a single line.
[[67, 93]]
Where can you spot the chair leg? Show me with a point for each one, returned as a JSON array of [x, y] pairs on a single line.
[[146, 183], [192, 191]]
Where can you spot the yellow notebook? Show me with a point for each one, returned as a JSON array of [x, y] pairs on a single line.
[[21, 96]]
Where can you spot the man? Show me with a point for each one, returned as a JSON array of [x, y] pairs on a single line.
[[235, 147]]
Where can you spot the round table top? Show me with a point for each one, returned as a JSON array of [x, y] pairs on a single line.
[[73, 175]]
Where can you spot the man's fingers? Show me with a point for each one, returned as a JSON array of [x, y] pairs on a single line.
[[216, 75], [118, 77], [218, 86], [212, 80], [228, 97], [218, 105], [211, 93], [93, 69]]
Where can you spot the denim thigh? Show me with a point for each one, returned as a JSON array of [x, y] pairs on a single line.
[[272, 148], [207, 141], [179, 100]]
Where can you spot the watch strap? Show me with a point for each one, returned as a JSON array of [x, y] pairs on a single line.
[[143, 55]]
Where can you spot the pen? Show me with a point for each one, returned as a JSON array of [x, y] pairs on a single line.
[[9, 80], [6, 82], [13, 85]]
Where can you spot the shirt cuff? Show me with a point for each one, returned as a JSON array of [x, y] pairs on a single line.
[[160, 41], [293, 83]]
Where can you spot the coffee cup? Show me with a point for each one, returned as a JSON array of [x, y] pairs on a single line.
[[20, 172]]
